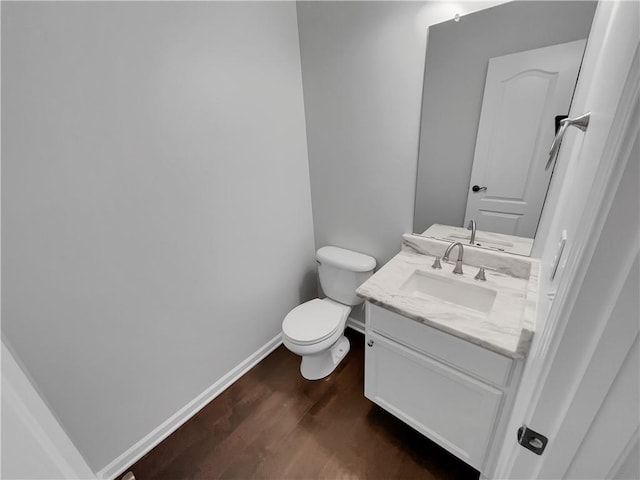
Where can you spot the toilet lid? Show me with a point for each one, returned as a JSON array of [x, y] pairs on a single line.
[[313, 321]]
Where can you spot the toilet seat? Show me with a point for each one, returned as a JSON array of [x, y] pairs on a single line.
[[314, 321]]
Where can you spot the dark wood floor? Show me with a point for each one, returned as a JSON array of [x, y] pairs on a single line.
[[274, 424]]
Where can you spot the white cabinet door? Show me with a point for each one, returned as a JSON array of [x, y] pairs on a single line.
[[452, 409]]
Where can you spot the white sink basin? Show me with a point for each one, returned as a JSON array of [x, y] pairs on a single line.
[[426, 285]]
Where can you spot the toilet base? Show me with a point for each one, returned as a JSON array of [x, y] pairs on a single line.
[[319, 365]]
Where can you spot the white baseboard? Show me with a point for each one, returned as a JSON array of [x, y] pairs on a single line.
[[357, 325], [142, 447]]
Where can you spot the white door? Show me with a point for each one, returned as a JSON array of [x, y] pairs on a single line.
[[579, 387], [523, 94]]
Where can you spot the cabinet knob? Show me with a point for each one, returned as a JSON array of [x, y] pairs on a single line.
[[370, 343]]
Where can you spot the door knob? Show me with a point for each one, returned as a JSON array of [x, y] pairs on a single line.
[[478, 188]]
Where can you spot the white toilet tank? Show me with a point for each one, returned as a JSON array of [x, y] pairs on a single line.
[[341, 271]]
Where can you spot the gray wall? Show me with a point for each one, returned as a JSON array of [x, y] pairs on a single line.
[[455, 70], [156, 216], [362, 68]]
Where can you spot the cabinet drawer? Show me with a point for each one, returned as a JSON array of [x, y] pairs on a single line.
[[452, 409], [467, 356]]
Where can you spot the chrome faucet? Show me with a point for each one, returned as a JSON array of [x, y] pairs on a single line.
[[472, 227], [458, 268]]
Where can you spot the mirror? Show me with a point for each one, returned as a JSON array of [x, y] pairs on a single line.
[[497, 82]]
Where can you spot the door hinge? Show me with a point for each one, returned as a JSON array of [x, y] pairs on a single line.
[[532, 440]]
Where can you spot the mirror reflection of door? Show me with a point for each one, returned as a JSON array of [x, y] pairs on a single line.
[[523, 94]]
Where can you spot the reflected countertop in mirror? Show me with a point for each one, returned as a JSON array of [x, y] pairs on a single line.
[[489, 240]]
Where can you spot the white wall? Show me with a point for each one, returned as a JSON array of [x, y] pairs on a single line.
[[455, 72], [156, 216], [362, 65]]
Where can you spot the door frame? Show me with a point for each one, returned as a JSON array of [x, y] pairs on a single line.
[[615, 27]]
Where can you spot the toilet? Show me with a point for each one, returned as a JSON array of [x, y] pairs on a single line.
[[315, 329]]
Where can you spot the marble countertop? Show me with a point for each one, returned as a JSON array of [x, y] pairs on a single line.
[[490, 240], [507, 328]]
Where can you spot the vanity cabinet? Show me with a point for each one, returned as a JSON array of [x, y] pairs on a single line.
[[450, 390]]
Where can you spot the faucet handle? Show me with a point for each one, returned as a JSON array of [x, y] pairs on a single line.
[[480, 275], [436, 264]]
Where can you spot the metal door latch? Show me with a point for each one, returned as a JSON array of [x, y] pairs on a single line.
[[532, 440]]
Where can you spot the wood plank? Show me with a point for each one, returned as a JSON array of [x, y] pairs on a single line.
[[272, 423]]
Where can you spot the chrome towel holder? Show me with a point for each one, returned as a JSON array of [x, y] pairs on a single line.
[[581, 122]]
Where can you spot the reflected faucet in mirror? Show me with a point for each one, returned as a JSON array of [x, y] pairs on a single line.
[[472, 227]]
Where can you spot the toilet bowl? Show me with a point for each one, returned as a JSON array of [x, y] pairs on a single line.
[[315, 329]]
